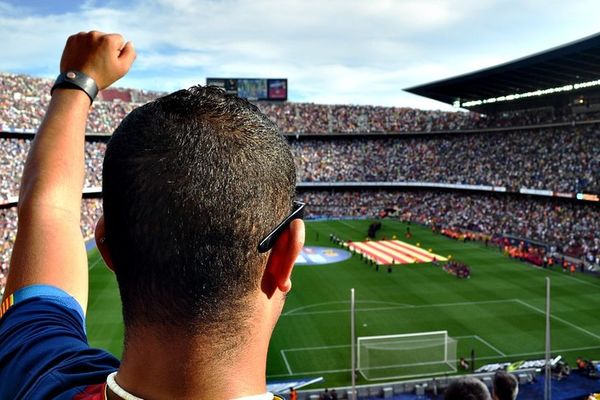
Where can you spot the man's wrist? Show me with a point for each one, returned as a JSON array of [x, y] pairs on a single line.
[[72, 99]]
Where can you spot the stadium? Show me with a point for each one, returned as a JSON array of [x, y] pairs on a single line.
[[430, 234]]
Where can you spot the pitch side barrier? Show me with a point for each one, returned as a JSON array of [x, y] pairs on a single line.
[[96, 192], [434, 385], [28, 132], [345, 135], [588, 197], [93, 192]]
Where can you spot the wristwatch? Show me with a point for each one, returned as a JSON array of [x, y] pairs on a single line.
[[73, 79]]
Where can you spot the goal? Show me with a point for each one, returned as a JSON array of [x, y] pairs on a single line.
[[406, 355]]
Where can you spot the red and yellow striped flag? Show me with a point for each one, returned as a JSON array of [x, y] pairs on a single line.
[[394, 252], [6, 304]]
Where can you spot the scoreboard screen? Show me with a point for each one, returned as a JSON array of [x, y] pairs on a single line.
[[252, 88]]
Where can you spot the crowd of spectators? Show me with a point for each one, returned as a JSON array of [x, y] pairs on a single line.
[[563, 225], [14, 153], [23, 100], [309, 118], [562, 159], [91, 209], [8, 232]]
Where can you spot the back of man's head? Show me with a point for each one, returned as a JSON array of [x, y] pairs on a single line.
[[506, 386], [191, 183], [467, 388]]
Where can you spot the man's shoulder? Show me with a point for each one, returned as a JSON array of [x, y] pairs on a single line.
[[44, 351]]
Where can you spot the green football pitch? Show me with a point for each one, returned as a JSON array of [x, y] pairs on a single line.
[[498, 312]]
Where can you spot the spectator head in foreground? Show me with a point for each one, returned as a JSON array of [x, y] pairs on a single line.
[[506, 386], [192, 183], [467, 388], [200, 227]]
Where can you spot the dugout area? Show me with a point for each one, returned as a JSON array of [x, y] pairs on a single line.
[[498, 313]]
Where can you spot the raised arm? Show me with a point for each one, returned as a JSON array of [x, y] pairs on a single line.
[[49, 248]]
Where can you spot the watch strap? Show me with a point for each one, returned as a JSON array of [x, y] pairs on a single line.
[[73, 79]]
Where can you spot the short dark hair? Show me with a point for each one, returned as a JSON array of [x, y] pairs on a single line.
[[467, 388], [506, 386], [191, 183]]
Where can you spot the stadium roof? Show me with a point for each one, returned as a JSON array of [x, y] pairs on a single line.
[[551, 71]]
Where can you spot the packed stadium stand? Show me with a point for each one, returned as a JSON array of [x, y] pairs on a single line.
[[352, 145]]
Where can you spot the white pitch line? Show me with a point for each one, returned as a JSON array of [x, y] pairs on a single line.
[[346, 311], [581, 280], [541, 352], [466, 303], [558, 319], [287, 364], [337, 346], [95, 263], [490, 345], [294, 310]]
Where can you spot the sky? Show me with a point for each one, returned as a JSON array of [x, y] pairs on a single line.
[[331, 51]]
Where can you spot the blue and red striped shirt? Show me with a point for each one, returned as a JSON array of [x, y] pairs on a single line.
[[44, 353]]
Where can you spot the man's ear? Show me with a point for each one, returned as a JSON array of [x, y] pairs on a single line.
[[100, 235], [281, 261]]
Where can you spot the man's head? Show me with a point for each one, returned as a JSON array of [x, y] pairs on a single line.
[[191, 183], [467, 388], [506, 386]]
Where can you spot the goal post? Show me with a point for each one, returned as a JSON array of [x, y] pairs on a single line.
[[406, 355]]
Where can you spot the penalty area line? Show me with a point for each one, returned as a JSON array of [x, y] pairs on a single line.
[[287, 364], [490, 345]]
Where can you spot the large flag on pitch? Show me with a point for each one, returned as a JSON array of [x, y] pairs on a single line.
[[394, 252]]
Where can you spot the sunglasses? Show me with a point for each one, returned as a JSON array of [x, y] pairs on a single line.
[[269, 241]]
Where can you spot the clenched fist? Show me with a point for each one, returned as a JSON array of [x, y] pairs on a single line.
[[104, 57]]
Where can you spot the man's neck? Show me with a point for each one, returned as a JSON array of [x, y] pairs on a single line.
[[179, 368]]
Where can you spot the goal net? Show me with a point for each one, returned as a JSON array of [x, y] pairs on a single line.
[[405, 356]]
